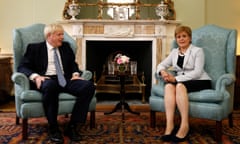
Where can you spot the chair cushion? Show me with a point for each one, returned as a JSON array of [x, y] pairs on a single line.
[[209, 95], [66, 96], [35, 96], [31, 96]]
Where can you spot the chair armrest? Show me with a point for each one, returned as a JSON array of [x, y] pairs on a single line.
[[224, 81], [21, 80], [87, 75], [159, 79]]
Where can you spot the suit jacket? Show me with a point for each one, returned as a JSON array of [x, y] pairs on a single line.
[[35, 60], [193, 65]]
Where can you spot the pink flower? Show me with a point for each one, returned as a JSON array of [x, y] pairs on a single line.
[[121, 59]]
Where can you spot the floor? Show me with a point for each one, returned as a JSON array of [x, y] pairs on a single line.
[[135, 105], [102, 106]]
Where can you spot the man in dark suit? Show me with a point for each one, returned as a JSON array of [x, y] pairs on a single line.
[[38, 64]]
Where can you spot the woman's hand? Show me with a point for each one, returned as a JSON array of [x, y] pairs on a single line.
[[164, 75], [167, 77], [171, 78]]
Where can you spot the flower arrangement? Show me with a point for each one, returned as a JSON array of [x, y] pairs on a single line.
[[122, 61]]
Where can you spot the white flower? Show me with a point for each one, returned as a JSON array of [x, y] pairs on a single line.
[[121, 59]]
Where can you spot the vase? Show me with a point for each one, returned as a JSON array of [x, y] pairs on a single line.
[[162, 10], [122, 67], [73, 10]]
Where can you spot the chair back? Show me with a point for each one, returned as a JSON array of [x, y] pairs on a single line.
[[31, 34], [219, 45]]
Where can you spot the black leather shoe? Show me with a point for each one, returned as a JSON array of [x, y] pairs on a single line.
[[55, 135], [177, 139], [72, 133], [168, 137]]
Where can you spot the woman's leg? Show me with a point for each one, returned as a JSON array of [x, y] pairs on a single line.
[[170, 106], [183, 107]]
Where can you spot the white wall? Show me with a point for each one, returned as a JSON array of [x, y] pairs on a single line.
[[195, 13], [190, 12], [19, 13], [226, 14]]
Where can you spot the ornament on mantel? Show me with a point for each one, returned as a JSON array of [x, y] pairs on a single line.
[[73, 9], [162, 10]]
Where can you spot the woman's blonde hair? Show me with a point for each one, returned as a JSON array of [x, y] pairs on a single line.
[[51, 28], [183, 29]]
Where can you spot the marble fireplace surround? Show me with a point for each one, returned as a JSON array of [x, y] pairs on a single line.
[[160, 33]]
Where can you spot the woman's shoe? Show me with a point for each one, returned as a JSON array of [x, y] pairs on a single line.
[[168, 137], [177, 139]]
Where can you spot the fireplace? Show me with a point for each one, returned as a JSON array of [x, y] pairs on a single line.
[[97, 53], [96, 39]]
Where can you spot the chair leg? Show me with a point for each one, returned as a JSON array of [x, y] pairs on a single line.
[[66, 115], [92, 119], [17, 120], [152, 119], [218, 131], [24, 129], [230, 120]]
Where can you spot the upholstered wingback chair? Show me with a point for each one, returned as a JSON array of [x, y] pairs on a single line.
[[219, 45], [29, 102]]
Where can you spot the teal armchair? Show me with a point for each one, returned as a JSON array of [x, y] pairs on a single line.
[[29, 102], [219, 45]]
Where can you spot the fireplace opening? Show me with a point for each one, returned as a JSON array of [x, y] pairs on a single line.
[[97, 53]]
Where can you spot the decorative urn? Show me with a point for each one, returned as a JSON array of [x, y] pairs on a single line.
[[162, 10], [73, 10]]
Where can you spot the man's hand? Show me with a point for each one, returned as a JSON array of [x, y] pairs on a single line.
[[39, 79], [75, 77]]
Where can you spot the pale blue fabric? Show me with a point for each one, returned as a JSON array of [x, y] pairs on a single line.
[[219, 45]]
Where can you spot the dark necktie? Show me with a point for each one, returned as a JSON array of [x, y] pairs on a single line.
[[61, 79]]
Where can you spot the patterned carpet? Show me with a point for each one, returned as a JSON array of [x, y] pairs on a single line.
[[110, 130]]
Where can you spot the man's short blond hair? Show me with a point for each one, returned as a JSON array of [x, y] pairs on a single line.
[[51, 28]]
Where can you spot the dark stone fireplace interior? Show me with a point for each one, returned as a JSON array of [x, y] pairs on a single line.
[[97, 53]]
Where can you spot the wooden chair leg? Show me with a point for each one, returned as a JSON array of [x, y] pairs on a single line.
[[92, 119], [230, 120], [24, 129], [17, 120], [66, 115], [152, 119], [218, 131]]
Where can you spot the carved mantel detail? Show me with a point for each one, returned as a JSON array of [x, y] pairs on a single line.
[[123, 31]]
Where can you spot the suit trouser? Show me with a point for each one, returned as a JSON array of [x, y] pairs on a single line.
[[82, 89]]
